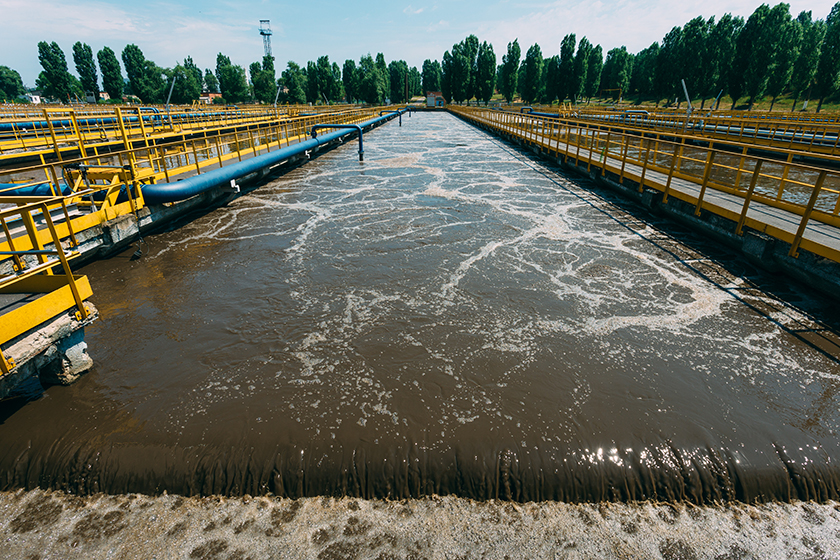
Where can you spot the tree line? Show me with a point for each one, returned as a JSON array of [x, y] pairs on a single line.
[[768, 54], [371, 81]]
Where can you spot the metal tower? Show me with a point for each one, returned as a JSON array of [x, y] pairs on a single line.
[[265, 31]]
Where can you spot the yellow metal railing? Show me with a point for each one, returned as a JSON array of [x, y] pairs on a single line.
[[660, 161], [27, 261]]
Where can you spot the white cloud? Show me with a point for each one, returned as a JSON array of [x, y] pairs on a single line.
[[413, 11]]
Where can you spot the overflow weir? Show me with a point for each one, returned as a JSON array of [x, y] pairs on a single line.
[[452, 317]]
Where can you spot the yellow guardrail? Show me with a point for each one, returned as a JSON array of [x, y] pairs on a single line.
[[662, 161], [27, 261]]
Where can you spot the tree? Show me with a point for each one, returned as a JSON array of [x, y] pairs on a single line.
[[669, 66], [414, 82], [446, 76], [567, 67], [789, 40], [112, 80], [232, 82], [594, 67], [532, 88], [644, 68], [371, 81], [263, 80], [581, 66], [552, 79], [384, 75], [431, 75], [805, 67], [11, 86], [295, 80], [350, 79], [617, 70], [828, 68], [485, 76], [757, 48], [510, 70], [55, 80], [469, 49], [398, 72], [187, 86], [85, 67], [722, 40], [458, 72], [144, 76], [695, 57], [211, 84]]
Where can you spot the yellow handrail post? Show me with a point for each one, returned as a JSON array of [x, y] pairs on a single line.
[[794, 247], [748, 198]]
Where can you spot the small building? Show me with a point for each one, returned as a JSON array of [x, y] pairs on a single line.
[[207, 97], [34, 97], [435, 99]]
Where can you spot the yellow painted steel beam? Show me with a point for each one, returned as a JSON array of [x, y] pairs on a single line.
[[59, 300]]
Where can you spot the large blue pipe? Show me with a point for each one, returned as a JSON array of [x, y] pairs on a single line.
[[197, 184]]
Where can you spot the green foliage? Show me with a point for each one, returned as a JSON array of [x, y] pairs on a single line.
[[532, 88], [11, 86], [112, 80], [828, 68], [55, 81], [485, 75], [805, 67], [789, 37], [350, 80], [581, 69], [552, 78], [669, 63], [415, 85], [145, 77], [510, 70], [723, 40], [371, 81], [384, 75], [644, 68], [446, 76], [211, 84], [295, 80], [618, 67], [594, 67], [263, 80], [398, 71], [456, 71], [85, 67], [695, 56], [187, 86], [431, 75], [567, 67], [232, 83]]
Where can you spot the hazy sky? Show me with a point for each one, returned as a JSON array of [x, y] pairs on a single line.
[[169, 31]]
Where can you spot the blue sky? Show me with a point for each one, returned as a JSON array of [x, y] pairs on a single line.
[[411, 30]]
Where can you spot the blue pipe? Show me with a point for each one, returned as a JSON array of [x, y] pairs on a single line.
[[397, 112], [99, 121], [343, 126], [41, 189], [197, 184]]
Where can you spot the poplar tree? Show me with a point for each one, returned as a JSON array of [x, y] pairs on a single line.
[[112, 80], [532, 88], [828, 68], [552, 79], [85, 67], [644, 68], [722, 40], [789, 37], [805, 67], [669, 66], [295, 80], [510, 70], [349, 78], [431, 75], [469, 49], [581, 67], [384, 75], [232, 82], [55, 80], [593, 71], [398, 71], [567, 66], [485, 72], [211, 84]]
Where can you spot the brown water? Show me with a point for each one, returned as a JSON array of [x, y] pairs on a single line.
[[450, 317]]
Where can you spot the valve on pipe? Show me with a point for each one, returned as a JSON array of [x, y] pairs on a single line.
[[392, 112], [315, 128]]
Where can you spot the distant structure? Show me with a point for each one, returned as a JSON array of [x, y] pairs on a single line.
[[265, 31]]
